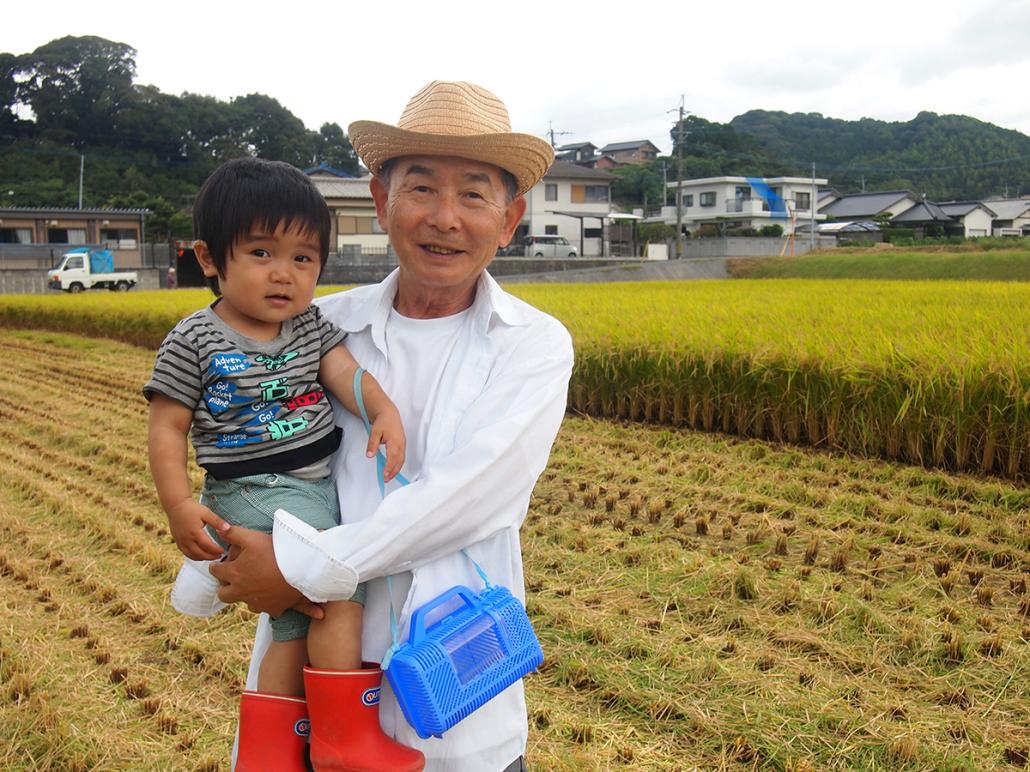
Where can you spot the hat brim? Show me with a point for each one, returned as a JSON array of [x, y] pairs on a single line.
[[527, 157]]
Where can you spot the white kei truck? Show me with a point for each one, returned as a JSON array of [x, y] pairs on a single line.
[[84, 268]]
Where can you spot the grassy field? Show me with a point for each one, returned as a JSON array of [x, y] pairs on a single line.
[[702, 600], [892, 263], [934, 373]]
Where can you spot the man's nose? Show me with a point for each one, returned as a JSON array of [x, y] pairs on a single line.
[[445, 216]]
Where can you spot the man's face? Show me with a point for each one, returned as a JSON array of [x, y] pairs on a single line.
[[446, 217]]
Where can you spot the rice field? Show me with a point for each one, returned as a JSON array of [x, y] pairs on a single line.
[[703, 600], [1005, 260], [933, 373]]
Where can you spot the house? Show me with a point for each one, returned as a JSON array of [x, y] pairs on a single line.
[[572, 201], [742, 202], [866, 206], [1012, 216], [638, 151], [29, 236], [925, 217], [582, 153], [325, 170], [355, 228], [974, 217]]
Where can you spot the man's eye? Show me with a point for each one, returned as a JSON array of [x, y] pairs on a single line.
[[474, 194], [421, 188]]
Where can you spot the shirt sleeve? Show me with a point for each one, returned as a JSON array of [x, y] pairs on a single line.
[[479, 488], [176, 372], [328, 333]]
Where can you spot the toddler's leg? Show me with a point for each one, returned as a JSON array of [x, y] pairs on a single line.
[[334, 642], [282, 669]]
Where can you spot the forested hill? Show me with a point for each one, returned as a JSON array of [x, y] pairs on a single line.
[[73, 103], [945, 156]]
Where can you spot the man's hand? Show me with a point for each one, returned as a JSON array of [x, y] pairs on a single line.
[[387, 430], [252, 576], [186, 522]]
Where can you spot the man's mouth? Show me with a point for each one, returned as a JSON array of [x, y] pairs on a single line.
[[438, 250]]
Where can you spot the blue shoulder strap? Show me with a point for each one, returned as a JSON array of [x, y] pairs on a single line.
[[380, 467]]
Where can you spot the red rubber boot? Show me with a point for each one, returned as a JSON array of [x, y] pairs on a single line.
[[345, 731], [273, 733]]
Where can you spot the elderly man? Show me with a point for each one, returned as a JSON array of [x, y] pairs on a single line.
[[480, 379]]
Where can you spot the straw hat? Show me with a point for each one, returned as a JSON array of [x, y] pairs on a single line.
[[454, 119]]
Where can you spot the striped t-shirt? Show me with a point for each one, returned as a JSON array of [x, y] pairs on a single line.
[[258, 407]]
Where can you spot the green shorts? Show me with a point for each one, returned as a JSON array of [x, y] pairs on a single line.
[[251, 502]]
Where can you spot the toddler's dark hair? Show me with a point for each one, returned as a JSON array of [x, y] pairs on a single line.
[[251, 193]]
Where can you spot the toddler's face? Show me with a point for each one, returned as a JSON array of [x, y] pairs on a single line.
[[269, 277]]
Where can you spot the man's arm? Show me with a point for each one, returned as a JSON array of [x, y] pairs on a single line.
[[481, 487]]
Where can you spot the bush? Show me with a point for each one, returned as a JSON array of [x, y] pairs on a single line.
[[892, 235], [771, 230]]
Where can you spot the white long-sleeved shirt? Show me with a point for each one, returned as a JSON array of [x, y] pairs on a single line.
[[495, 410]]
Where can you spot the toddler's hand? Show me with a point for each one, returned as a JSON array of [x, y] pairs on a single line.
[[187, 521], [387, 430]]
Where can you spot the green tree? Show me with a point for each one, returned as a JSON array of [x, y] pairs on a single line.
[[637, 185], [77, 86], [271, 131], [333, 147]]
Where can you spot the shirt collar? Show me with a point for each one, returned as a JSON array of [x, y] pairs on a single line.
[[491, 302]]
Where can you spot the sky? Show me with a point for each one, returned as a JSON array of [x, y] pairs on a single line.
[[599, 72]]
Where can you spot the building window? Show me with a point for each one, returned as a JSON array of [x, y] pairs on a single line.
[[357, 226], [550, 191], [550, 230], [596, 193], [593, 233], [15, 235], [118, 238], [688, 199], [708, 198], [803, 200], [66, 235], [742, 193]]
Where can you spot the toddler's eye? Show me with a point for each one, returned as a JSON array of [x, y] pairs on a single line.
[[303, 259], [259, 252]]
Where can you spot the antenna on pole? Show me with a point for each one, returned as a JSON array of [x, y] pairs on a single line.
[[679, 176], [552, 133]]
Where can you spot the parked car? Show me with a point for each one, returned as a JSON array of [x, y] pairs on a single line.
[[547, 246], [84, 268]]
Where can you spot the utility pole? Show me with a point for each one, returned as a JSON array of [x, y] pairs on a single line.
[[82, 164], [811, 209], [679, 184], [552, 133]]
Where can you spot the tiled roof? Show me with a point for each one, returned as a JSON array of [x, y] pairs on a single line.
[[331, 187], [563, 170], [616, 146], [924, 211], [962, 208], [864, 204], [69, 210], [1009, 208]]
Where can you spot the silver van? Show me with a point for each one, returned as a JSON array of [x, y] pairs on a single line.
[[547, 246]]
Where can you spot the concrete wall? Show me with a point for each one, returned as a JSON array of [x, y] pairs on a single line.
[[33, 282], [748, 246], [366, 270], [976, 223]]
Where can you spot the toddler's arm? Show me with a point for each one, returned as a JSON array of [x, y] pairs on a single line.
[[169, 427], [336, 372]]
